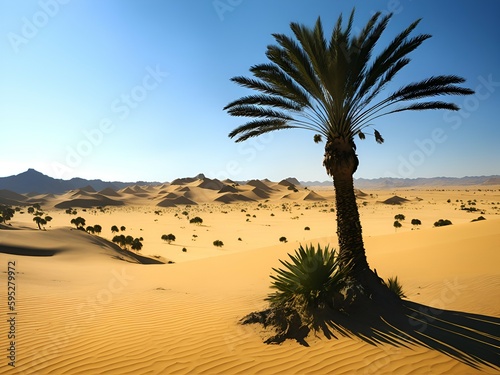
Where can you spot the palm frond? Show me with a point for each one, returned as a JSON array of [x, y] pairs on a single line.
[[311, 277], [433, 86], [266, 100], [332, 87], [258, 127]]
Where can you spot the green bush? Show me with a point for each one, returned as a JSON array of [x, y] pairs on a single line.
[[312, 279], [442, 223], [196, 220], [399, 217], [395, 287], [416, 222], [218, 243], [480, 218], [168, 237]]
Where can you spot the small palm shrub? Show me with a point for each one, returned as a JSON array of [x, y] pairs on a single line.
[[395, 287], [312, 279]]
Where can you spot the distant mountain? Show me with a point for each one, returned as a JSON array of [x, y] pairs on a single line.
[[33, 181], [391, 183]]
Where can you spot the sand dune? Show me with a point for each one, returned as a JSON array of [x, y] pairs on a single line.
[[186, 191], [85, 307], [93, 201], [313, 196], [228, 189], [232, 197], [395, 200], [88, 189], [109, 192]]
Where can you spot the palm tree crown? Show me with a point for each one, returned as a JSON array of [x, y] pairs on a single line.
[[332, 86]]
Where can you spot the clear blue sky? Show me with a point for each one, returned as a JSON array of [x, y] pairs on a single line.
[[134, 90]]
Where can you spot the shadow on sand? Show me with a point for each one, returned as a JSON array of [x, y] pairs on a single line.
[[469, 338]]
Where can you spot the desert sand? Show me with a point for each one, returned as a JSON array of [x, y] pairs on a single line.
[[85, 307]]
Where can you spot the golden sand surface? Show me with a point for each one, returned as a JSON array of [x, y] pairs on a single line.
[[82, 307]]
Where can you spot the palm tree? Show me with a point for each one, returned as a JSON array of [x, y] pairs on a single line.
[[333, 88], [40, 221]]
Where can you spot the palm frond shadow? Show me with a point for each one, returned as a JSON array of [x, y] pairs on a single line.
[[469, 338]]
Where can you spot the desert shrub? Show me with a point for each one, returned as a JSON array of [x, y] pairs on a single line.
[[79, 222], [128, 241], [480, 218], [442, 223], [307, 228], [394, 286], [416, 222], [283, 239], [168, 237], [196, 220], [218, 243], [239, 239], [90, 229], [184, 250], [119, 240], [114, 229], [312, 279], [136, 244], [397, 224], [97, 228], [122, 228], [7, 213], [399, 217]]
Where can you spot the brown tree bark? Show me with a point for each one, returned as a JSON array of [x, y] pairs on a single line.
[[341, 162]]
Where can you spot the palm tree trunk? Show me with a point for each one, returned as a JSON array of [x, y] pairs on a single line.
[[349, 232], [341, 162]]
